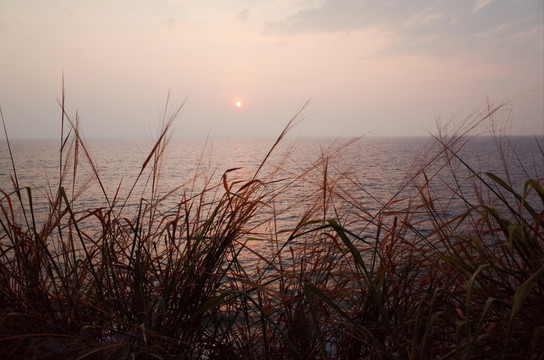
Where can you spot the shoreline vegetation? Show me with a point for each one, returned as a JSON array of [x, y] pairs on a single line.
[[409, 281]]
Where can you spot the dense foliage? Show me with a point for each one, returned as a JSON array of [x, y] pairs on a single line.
[[410, 281]]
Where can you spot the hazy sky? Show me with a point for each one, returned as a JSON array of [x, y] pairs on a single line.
[[386, 67]]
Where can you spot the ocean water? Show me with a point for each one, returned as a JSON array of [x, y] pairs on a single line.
[[369, 172], [360, 177]]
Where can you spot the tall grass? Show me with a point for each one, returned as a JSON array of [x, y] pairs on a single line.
[[413, 280]]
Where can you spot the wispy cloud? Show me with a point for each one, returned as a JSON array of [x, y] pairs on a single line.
[[425, 17], [170, 23], [481, 4], [243, 15]]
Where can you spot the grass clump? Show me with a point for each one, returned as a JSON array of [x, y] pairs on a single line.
[[450, 267]]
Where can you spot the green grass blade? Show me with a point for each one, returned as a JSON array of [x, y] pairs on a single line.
[[521, 294], [523, 291]]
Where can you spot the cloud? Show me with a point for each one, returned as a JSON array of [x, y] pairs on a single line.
[[243, 15], [425, 17], [421, 25], [170, 23], [331, 16], [481, 4]]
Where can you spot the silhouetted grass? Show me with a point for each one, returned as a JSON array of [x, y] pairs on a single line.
[[403, 282]]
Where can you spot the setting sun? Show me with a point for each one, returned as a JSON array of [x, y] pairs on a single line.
[[238, 104]]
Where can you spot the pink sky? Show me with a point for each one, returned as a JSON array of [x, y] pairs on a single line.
[[389, 68]]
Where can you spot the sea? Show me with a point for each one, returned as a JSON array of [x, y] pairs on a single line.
[[367, 173]]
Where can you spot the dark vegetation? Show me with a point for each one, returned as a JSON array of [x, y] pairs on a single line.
[[404, 282]]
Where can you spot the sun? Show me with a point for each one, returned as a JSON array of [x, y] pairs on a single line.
[[238, 104]]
